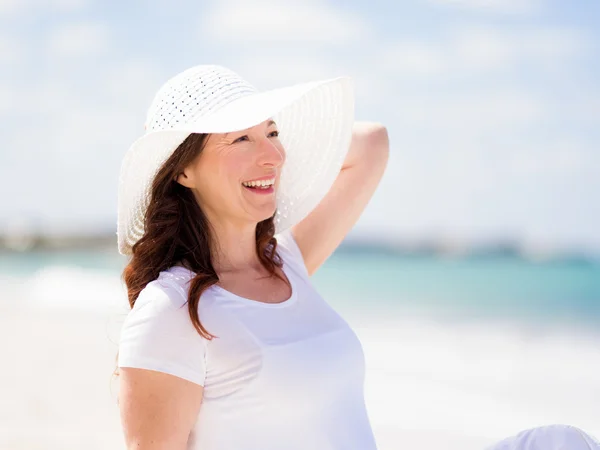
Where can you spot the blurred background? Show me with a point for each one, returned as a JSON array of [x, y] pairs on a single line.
[[473, 277]]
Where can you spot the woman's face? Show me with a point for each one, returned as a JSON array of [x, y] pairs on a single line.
[[236, 175]]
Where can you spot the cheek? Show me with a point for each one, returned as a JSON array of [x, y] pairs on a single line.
[[234, 169], [226, 177], [221, 174], [211, 180]]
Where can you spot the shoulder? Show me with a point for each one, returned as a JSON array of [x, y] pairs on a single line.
[[174, 282], [158, 305], [161, 312], [167, 292], [166, 297], [158, 334]]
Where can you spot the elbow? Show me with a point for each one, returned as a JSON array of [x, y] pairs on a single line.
[[370, 146], [373, 137], [378, 144], [381, 141], [378, 134]]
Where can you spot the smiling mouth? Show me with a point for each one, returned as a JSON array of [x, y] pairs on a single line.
[[260, 187], [259, 184]]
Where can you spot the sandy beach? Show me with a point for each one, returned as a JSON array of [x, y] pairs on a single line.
[[56, 381]]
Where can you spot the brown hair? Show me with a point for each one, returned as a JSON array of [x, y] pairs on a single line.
[[176, 230]]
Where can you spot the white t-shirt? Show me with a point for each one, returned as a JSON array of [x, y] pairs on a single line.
[[286, 375]]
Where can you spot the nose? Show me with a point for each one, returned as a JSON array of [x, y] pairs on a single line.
[[269, 154]]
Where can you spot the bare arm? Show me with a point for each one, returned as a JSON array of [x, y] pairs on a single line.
[[158, 410], [320, 233]]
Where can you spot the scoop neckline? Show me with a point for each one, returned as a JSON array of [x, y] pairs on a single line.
[[290, 300]]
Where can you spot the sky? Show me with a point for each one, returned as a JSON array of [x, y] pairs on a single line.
[[492, 106]]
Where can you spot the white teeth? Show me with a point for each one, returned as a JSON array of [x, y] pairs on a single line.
[[259, 183]]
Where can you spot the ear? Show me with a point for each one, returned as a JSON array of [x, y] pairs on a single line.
[[185, 179]]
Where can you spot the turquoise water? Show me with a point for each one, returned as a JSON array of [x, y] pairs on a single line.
[[483, 286], [467, 287]]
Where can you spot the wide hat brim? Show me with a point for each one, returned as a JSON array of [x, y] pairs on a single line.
[[314, 120]]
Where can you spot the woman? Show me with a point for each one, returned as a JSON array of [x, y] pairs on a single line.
[[227, 205]]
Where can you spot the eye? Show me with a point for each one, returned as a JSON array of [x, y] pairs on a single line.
[[241, 137], [276, 133]]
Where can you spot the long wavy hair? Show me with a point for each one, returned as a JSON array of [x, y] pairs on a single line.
[[176, 230]]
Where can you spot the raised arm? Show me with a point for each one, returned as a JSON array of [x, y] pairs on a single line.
[[320, 233]]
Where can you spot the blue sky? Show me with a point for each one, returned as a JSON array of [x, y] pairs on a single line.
[[492, 106]]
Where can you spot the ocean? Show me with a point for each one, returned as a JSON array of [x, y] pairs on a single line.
[[472, 288]]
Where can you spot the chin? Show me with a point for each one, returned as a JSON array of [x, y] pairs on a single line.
[[265, 214]]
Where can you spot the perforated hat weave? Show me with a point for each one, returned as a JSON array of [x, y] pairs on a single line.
[[314, 120]]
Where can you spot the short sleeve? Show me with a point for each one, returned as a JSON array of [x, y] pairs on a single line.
[[158, 334], [290, 252]]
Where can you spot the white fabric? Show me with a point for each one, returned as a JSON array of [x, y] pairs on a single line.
[[551, 437], [284, 375], [314, 121]]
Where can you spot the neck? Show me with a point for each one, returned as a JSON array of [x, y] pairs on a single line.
[[234, 247]]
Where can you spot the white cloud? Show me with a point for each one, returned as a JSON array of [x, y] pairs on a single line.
[[10, 8], [272, 21], [79, 39], [483, 48], [493, 6], [479, 49], [68, 4], [568, 157], [49, 97], [411, 57], [266, 72], [470, 111]]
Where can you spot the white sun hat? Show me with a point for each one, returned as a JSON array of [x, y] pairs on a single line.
[[314, 120]]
